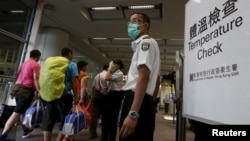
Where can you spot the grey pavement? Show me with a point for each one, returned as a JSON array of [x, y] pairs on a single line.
[[165, 131]]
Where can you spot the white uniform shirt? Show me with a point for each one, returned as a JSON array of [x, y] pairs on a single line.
[[116, 81], [146, 52]]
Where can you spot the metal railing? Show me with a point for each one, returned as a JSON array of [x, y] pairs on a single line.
[[6, 84]]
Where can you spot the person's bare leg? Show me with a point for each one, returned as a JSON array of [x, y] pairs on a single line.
[[13, 119], [19, 122], [60, 136], [47, 135]]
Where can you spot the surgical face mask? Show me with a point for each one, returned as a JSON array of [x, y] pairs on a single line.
[[113, 69], [133, 46], [133, 31]]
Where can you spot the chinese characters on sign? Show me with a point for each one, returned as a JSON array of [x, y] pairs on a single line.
[[214, 18], [209, 29], [203, 25], [218, 72]]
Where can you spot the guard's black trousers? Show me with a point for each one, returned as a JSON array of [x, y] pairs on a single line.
[[144, 130]]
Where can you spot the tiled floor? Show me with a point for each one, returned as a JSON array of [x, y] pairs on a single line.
[[165, 131]]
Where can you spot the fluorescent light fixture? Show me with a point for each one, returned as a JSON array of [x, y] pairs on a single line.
[[121, 39], [99, 38], [103, 8], [103, 55], [142, 7], [197, 1], [16, 11], [85, 14], [86, 41]]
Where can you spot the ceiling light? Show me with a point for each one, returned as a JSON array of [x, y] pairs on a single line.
[[16, 11], [197, 1], [86, 41], [99, 38], [103, 55], [85, 14], [142, 7], [121, 38], [103, 8]]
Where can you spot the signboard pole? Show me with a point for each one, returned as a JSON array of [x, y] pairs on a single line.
[[181, 122]]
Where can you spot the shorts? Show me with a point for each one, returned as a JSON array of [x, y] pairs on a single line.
[[53, 112], [22, 104], [56, 111]]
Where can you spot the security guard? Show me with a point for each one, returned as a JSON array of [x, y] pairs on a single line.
[[138, 113]]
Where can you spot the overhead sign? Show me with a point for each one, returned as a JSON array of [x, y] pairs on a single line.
[[217, 61]]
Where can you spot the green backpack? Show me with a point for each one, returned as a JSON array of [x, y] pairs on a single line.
[[52, 77]]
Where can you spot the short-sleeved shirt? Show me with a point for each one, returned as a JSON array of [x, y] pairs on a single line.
[[146, 52], [100, 81], [116, 81], [26, 72], [71, 71]]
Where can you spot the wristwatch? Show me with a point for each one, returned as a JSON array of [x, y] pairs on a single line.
[[134, 115]]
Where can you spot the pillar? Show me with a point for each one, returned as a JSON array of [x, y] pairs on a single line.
[[51, 41]]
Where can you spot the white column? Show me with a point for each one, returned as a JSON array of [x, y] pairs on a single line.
[[51, 41], [35, 29]]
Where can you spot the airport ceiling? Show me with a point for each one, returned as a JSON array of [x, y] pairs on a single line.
[[102, 35]]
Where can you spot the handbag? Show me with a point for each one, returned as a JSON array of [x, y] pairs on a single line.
[[34, 114], [21, 91], [74, 121], [86, 109]]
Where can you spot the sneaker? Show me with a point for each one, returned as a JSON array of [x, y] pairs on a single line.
[[27, 132]]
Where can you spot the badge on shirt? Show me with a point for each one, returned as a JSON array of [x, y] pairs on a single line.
[[145, 46]]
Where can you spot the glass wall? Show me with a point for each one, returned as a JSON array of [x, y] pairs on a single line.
[[15, 24], [10, 52], [15, 20]]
